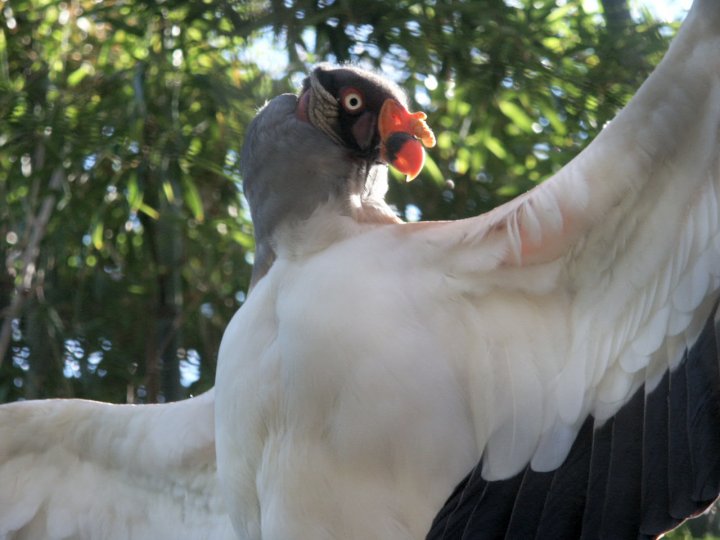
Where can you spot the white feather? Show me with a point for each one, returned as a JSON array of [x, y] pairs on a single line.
[[80, 469], [373, 365]]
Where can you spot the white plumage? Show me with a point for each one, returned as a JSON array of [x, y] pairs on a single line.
[[375, 363], [81, 469]]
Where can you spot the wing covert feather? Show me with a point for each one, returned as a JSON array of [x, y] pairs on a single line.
[[619, 251], [84, 469]]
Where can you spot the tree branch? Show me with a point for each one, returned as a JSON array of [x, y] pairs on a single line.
[[29, 262]]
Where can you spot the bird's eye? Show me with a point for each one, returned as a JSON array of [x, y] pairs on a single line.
[[352, 100]]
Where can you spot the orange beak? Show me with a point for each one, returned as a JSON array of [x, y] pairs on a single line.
[[402, 136]]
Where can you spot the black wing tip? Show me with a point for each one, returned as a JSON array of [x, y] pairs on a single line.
[[641, 474]]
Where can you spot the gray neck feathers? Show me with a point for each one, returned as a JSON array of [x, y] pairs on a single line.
[[290, 168]]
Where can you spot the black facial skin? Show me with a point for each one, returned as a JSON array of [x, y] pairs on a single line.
[[394, 143], [358, 129]]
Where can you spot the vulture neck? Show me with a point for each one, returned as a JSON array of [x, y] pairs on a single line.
[[364, 198], [307, 226]]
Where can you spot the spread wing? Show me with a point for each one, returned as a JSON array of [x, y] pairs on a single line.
[[83, 469], [587, 298]]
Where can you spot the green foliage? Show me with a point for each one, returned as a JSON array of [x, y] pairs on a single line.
[[125, 240], [123, 235]]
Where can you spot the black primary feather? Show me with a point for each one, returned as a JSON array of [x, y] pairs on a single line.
[[641, 473]]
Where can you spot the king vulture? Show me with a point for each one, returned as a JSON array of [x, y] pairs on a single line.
[[546, 370]]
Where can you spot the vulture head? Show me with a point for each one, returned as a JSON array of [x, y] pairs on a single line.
[[328, 146]]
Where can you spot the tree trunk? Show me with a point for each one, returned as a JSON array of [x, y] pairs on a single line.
[[617, 16]]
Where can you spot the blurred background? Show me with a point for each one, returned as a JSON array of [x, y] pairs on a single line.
[[125, 242]]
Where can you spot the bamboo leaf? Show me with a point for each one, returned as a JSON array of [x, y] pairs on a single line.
[[193, 199]]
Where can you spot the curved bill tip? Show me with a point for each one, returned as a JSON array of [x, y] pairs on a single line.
[[403, 135], [405, 153]]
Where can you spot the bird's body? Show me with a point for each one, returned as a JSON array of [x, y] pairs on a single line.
[[325, 420], [555, 358], [427, 346]]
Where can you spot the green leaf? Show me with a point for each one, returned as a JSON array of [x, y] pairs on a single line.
[[149, 211], [168, 191], [97, 236], [507, 191], [79, 74], [4, 71], [193, 199], [557, 124], [134, 197], [432, 169], [496, 147], [518, 116], [444, 140]]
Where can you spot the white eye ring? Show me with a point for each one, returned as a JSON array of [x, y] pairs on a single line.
[[352, 101]]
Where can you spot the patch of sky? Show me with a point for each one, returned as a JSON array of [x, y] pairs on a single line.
[[413, 213], [189, 366], [94, 359], [133, 223], [74, 351], [207, 310], [89, 162], [662, 10], [268, 53], [20, 358], [16, 331]]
